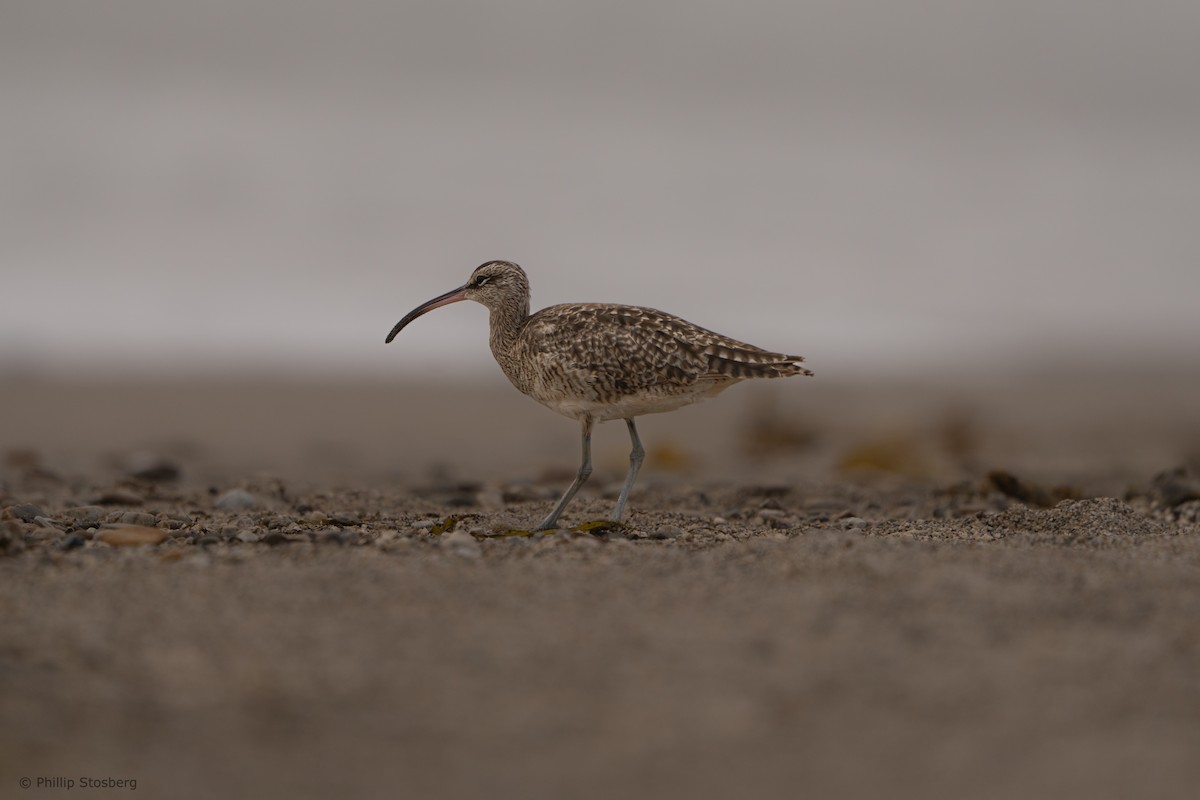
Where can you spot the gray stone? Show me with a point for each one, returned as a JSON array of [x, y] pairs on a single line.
[[247, 537], [236, 500], [142, 518], [174, 521], [27, 512], [853, 523], [85, 516]]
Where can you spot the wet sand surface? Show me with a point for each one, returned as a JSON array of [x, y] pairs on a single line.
[[849, 589]]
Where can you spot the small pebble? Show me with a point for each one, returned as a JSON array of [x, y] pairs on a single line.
[[666, 533], [140, 518], [853, 523], [131, 536], [248, 537], [72, 542], [117, 497], [27, 512], [236, 500], [85, 516]]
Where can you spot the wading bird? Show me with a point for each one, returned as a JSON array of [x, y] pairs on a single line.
[[595, 362]]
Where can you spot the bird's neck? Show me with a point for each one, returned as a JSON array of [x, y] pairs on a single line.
[[506, 322]]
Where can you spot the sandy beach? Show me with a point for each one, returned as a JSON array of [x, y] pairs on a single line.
[[850, 589], [247, 549]]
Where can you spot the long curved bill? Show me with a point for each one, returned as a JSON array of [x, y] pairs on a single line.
[[453, 296]]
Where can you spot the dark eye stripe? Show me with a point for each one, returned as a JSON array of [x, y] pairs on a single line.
[[482, 279]]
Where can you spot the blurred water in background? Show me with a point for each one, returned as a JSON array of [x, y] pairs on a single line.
[[881, 186]]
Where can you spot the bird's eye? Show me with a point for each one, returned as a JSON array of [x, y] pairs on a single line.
[[481, 280]]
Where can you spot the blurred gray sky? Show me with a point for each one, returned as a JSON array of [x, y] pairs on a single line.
[[877, 185]]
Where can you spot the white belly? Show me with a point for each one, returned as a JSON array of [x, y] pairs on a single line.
[[630, 406]]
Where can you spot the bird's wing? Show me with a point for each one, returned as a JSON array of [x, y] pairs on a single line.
[[626, 349]]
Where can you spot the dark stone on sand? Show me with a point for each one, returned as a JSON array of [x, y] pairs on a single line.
[[27, 512], [1175, 487], [175, 520], [332, 536], [116, 497], [72, 542], [11, 539], [1029, 493], [152, 467]]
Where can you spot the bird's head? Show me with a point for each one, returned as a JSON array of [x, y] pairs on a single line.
[[495, 284]]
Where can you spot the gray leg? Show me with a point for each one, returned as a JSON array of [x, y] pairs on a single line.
[[636, 455], [585, 469]]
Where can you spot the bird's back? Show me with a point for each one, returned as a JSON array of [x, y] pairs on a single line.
[[614, 361]]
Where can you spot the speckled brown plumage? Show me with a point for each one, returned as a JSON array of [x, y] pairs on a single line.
[[603, 360], [599, 361]]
